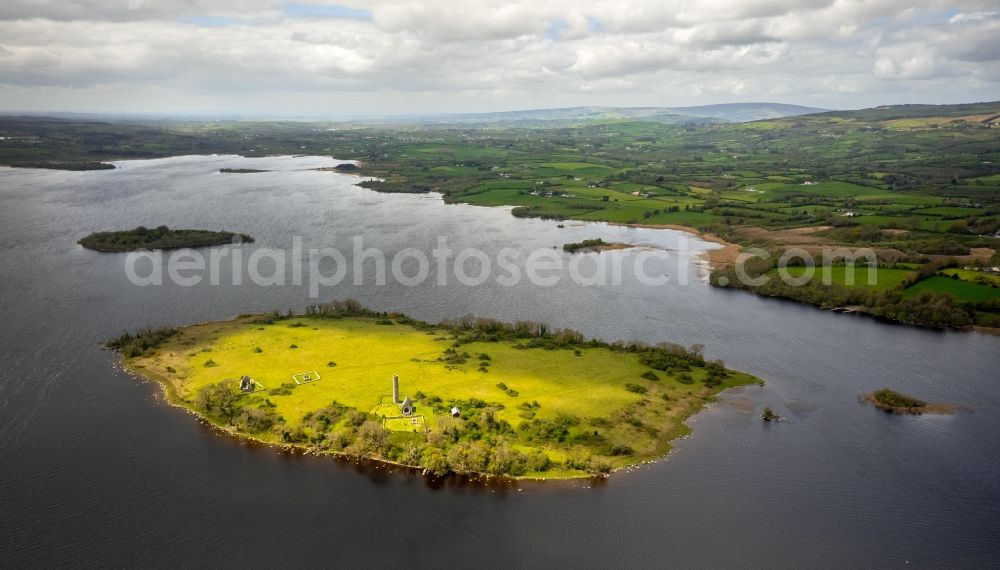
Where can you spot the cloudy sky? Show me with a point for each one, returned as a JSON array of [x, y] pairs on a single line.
[[419, 56]]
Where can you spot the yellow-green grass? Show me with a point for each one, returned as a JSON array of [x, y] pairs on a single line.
[[971, 276], [935, 122], [762, 126], [918, 122], [367, 355], [414, 424], [991, 180], [586, 382]]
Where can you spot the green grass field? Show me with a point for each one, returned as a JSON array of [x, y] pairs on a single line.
[[973, 276], [883, 279], [953, 212], [960, 290], [577, 166], [993, 180], [356, 358]]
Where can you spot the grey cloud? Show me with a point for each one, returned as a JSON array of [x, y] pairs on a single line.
[[438, 53], [978, 43], [726, 34], [129, 10]]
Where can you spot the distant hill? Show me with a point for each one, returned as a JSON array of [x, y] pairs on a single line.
[[892, 112], [744, 112], [722, 113], [701, 114], [565, 115]]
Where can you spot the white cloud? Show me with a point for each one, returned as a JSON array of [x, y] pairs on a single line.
[[906, 64], [973, 17], [257, 55]]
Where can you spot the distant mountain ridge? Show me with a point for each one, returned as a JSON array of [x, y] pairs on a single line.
[[720, 113], [910, 110], [565, 116], [744, 112]]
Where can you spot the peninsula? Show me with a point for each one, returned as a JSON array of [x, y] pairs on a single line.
[[467, 396], [160, 237]]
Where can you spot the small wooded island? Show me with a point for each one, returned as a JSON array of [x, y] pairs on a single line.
[[79, 165], [241, 170], [596, 244], [465, 396], [160, 237], [895, 402]]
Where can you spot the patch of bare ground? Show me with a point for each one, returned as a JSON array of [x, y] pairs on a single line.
[[807, 239], [741, 404], [883, 253], [725, 256], [975, 254], [979, 118], [717, 258], [787, 236]]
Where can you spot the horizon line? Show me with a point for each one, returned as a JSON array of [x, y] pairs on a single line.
[[428, 114]]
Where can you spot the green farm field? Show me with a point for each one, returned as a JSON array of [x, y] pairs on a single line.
[[881, 279], [960, 290], [973, 276]]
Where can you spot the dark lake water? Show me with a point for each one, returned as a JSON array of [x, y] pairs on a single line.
[[96, 471]]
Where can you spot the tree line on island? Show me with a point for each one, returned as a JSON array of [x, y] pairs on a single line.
[[583, 245], [160, 237]]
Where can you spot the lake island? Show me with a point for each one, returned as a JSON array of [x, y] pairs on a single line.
[[593, 245], [472, 395], [160, 237], [889, 400]]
